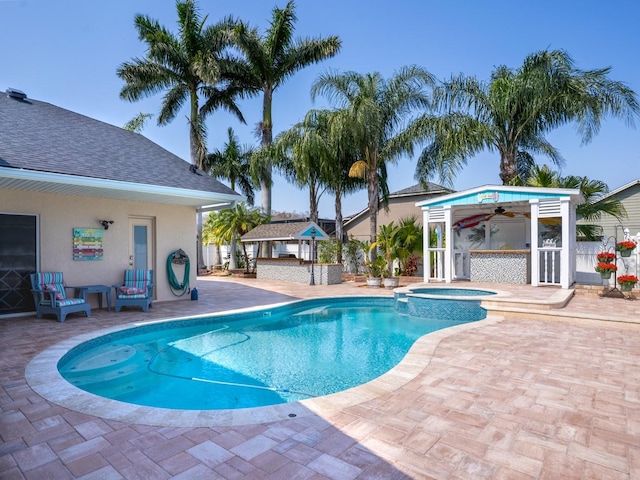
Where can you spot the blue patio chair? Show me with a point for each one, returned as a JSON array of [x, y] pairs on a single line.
[[50, 297], [136, 290]]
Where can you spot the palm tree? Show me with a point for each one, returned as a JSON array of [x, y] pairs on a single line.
[[513, 112], [371, 116], [388, 243], [591, 210], [137, 123], [233, 163], [410, 240], [271, 59], [229, 225], [311, 154], [186, 67]]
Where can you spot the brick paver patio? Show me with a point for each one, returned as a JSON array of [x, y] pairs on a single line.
[[519, 396]]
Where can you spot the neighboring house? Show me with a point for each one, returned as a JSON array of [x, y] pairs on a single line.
[[90, 199], [402, 204], [629, 195]]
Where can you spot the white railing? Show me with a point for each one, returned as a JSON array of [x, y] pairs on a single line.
[[437, 263], [549, 265]]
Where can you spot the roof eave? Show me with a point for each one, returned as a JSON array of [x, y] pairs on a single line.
[[33, 180]]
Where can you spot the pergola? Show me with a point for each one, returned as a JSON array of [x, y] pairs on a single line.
[[549, 262]]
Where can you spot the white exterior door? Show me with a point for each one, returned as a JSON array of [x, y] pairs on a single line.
[[141, 243]]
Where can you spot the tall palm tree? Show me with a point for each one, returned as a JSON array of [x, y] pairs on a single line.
[[304, 154], [187, 67], [591, 210], [512, 113], [311, 155], [271, 59], [233, 163], [371, 116]]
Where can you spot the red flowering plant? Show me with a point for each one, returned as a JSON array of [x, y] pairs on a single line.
[[625, 245], [603, 267], [606, 257], [627, 280]]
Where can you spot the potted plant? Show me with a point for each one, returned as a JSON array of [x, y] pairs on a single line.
[[627, 282], [625, 247], [375, 269], [606, 257], [388, 244], [605, 269]]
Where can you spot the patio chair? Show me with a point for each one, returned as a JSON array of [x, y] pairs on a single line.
[[50, 297], [136, 290]]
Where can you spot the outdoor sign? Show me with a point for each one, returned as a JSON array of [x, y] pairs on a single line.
[[87, 243], [488, 196]]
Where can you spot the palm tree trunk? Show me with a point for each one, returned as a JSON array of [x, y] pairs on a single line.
[[265, 181], [508, 167], [313, 203], [374, 199], [339, 226], [193, 153]]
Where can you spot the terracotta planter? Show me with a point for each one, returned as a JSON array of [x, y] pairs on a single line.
[[391, 282], [374, 282]]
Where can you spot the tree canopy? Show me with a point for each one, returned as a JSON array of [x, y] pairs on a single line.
[[512, 113]]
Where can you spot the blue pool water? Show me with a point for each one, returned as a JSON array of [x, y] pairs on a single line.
[[289, 353], [454, 292]]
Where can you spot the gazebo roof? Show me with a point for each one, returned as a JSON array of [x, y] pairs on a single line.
[[284, 232], [491, 194]]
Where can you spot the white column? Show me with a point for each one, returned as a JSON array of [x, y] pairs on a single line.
[[568, 239], [426, 261], [448, 252], [535, 255]]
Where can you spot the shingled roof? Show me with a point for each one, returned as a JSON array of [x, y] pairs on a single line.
[[284, 232], [48, 148]]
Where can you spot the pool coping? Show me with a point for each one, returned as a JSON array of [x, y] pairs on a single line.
[[43, 377]]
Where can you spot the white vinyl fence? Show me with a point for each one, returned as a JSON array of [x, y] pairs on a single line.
[[586, 262]]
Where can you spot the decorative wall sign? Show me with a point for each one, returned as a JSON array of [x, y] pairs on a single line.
[[87, 243]]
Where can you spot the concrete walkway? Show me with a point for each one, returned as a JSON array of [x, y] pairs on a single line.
[[535, 391]]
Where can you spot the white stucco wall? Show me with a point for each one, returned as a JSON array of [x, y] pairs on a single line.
[[175, 227]]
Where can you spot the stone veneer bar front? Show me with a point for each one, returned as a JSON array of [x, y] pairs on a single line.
[[500, 266]]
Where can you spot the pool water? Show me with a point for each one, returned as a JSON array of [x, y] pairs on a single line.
[[454, 292], [308, 349]]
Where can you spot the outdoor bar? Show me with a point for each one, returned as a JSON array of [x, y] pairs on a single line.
[[502, 234]]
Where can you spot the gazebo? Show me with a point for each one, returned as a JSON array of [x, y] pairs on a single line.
[[294, 268], [505, 234]]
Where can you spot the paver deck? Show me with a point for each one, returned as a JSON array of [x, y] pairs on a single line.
[[516, 396]]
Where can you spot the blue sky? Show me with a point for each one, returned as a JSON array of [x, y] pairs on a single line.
[[66, 52]]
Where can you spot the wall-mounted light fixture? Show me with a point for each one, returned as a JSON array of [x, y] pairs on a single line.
[[105, 223]]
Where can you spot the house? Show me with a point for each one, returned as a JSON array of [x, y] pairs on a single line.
[[90, 199], [629, 195], [402, 204]]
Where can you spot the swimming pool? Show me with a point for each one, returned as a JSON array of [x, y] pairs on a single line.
[[453, 292], [294, 352]]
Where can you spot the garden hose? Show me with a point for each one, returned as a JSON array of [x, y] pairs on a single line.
[[178, 258]]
